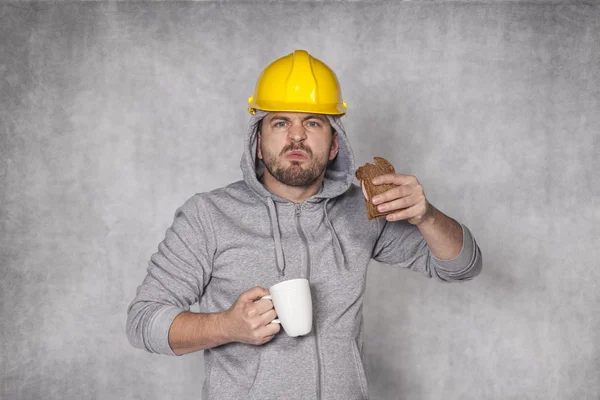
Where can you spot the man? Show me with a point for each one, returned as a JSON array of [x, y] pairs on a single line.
[[295, 214]]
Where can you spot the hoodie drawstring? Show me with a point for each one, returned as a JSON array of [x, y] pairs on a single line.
[[280, 260], [276, 237], [339, 254]]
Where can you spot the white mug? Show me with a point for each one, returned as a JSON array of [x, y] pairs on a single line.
[[293, 304]]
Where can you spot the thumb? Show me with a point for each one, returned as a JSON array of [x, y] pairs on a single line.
[[250, 295]]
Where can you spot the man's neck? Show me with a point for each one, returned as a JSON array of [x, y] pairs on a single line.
[[295, 194]]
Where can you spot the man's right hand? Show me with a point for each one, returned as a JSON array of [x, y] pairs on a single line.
[[248, 319]]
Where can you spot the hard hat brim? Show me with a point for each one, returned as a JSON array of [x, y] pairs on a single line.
[[327, 109]]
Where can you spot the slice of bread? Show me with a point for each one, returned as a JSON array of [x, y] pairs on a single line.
[[365, 174]]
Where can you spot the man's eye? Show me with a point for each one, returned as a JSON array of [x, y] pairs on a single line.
[[280, 124], [313, 124]]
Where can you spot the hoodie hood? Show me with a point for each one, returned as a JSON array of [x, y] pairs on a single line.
[[338, 179], [338, 176]]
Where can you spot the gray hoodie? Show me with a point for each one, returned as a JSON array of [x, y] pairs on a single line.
[[231, 239]]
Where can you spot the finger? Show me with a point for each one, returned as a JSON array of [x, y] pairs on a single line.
[[393, 179], [267, 317], [267, 339], [398, 204], [262, 306], [407, 213], [267, 331], [253, 294], [270, 329], [392, 194]]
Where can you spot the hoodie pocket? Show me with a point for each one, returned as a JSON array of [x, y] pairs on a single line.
[[343, 371], [286, 370]]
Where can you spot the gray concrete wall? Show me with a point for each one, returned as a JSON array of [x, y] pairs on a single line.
[[113, 114]]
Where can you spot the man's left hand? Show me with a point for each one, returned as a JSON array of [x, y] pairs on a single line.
[[408, 198]]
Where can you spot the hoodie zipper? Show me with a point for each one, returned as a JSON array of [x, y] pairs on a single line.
[[308, 273]]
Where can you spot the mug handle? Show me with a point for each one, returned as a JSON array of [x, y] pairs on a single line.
[[268, 297]]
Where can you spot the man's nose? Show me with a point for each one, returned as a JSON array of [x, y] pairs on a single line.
[[296, 132]]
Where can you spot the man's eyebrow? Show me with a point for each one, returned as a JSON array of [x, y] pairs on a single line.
[[312, 116], [281, 117], [315, 116]]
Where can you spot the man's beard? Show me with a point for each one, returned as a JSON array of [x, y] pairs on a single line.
[[295, 174]]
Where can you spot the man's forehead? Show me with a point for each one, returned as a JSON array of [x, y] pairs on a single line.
[[295, 115]]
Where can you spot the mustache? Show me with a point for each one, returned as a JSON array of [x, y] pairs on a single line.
[[301, 147]]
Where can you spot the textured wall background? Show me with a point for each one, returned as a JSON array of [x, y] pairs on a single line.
[[113, 114]]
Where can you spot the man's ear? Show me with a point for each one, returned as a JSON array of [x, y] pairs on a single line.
[[258, 145], [335, 146]]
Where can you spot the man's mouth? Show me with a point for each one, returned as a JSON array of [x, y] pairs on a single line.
[[297, 155]]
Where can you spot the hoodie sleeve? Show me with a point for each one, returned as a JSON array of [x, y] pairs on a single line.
[[176, 277], [402, 245]]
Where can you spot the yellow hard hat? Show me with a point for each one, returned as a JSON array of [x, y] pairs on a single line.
[[298, 82]]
